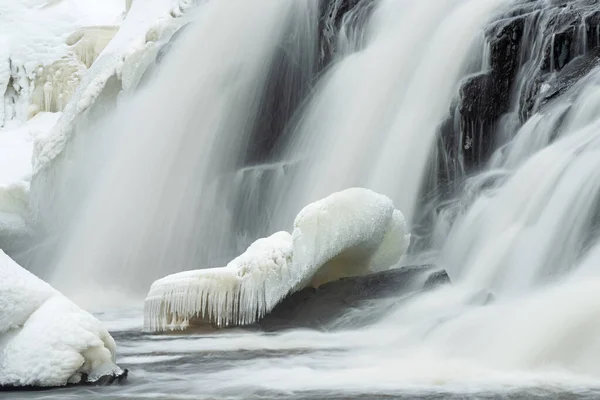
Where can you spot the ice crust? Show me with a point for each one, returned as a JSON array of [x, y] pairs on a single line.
[[349, 233], [45, 339]]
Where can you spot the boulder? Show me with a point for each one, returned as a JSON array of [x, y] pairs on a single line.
[[317, 308]]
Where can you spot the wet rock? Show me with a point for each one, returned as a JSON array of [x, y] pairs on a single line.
[[531, 46], [437, 278], [110, 379], [318, 307], [332, 14]]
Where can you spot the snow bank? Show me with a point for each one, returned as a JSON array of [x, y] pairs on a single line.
[[350, 233], [39, 67], [16, 147], [123, 57], [45, 339]]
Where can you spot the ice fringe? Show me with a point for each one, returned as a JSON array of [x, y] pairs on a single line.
[[350, 233], [45, 339]]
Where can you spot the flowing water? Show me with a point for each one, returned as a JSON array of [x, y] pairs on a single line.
[[518, 238]]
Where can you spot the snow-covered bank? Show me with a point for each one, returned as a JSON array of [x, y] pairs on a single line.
[[46, 48], [45, 339], [349, 233], [56, 59], [16, 148]]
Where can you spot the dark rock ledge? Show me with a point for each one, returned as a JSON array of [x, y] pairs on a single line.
[[106, 380]]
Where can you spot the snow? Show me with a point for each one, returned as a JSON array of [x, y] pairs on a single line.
[[35, 56], [56, 57], [45, 339], [349, 233], [16, 148], [145, 22], [340, 235]]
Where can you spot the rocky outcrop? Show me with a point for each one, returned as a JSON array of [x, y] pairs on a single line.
[[320, 307], [106, 380], [537, 51]]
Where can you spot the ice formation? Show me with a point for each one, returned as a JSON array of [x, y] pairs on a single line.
[[237, 294], [45, 339], [121, 56], [41, 60], [349, 233]]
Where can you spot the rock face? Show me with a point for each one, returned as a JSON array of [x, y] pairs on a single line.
[[537, 50], [318, 308], [105, 380]]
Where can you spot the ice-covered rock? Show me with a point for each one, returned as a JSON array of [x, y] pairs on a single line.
[[245, 289], [45, 339], [41, 62], [350, 233]]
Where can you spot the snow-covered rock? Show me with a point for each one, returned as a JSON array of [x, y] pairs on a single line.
[[350, 233], [16, 147], [42, 58], [45, 339]]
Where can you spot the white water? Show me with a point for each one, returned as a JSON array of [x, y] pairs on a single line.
[[523, 233], [373, 118], [158, 205]]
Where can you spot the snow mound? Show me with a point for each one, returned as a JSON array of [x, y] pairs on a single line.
[[350, 233], [45, 339]]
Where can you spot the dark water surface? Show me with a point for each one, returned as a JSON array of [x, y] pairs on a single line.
[[241, 365]]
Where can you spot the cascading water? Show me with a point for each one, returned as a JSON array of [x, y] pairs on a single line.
[[373, 117], [158, 205], [508, 112]]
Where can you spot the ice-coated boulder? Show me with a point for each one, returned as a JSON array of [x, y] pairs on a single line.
[[349, 233], [45, 339]]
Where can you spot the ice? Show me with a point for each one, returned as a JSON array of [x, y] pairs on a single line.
[[341, 235], [237, 294], [45, 339], [145, 21], [39, 67], [349, 233]]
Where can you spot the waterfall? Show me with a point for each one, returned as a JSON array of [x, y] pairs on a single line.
[[373, 117], [538, 212], [479, 118], [159, 204]]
